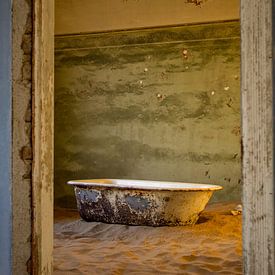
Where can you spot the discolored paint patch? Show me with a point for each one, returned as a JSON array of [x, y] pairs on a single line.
[[137, 203], [91, 196], [181, 33]]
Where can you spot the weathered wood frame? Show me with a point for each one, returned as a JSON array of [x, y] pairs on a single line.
[[257, 136], [257, 130], [43, 134]]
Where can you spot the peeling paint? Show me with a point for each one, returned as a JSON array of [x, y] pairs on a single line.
[[140, 207], [137, 203], [22, 135]]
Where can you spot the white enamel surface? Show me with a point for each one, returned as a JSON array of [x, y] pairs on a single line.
[[145, 184]]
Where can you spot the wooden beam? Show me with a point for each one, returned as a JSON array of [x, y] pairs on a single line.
[[43, 106], [257, 131]]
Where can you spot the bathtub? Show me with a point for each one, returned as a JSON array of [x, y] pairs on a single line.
[[141, 202]]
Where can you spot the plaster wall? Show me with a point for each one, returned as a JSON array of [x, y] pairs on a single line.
[[21, 135], [15, 139], [91, 15]]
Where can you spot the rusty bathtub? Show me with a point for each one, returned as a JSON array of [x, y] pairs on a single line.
[[141, 202]]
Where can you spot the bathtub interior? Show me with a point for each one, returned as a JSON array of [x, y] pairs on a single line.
[[145, 184]]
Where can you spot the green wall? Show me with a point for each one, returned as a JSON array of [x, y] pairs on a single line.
[[160, 104]]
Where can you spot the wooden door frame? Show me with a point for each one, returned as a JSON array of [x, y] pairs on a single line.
[[43, 136], [257, 136]]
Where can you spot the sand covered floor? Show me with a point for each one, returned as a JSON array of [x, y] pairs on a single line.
[[213, 246]]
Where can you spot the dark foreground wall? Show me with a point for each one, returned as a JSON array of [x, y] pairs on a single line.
[[160, 104], [5, 138]]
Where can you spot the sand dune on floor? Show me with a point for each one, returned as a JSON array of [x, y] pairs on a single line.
[[213, 246]]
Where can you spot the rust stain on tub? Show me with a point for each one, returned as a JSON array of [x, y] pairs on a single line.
[[137, 202]]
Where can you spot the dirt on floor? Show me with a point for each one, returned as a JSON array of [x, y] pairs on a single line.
[[212, 246]]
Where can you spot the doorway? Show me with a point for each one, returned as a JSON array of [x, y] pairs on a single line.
[[128, 104], [261, 174]]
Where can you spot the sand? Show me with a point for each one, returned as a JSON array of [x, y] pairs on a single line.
[[212, 246]]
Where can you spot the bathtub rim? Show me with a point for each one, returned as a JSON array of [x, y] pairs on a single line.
[[94, 183]]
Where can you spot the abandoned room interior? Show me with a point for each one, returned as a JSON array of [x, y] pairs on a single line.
[[148, 92], [136, 137]]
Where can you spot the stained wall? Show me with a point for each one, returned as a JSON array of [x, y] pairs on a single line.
[[74, 16], [22, 134], [159, 104]]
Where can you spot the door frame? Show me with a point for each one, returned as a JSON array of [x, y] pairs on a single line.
[[257, 136], [43, 136]]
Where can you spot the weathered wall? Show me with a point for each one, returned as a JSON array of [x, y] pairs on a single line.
[[76, 16], [15, 140], [21, 137], [160, 104]]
